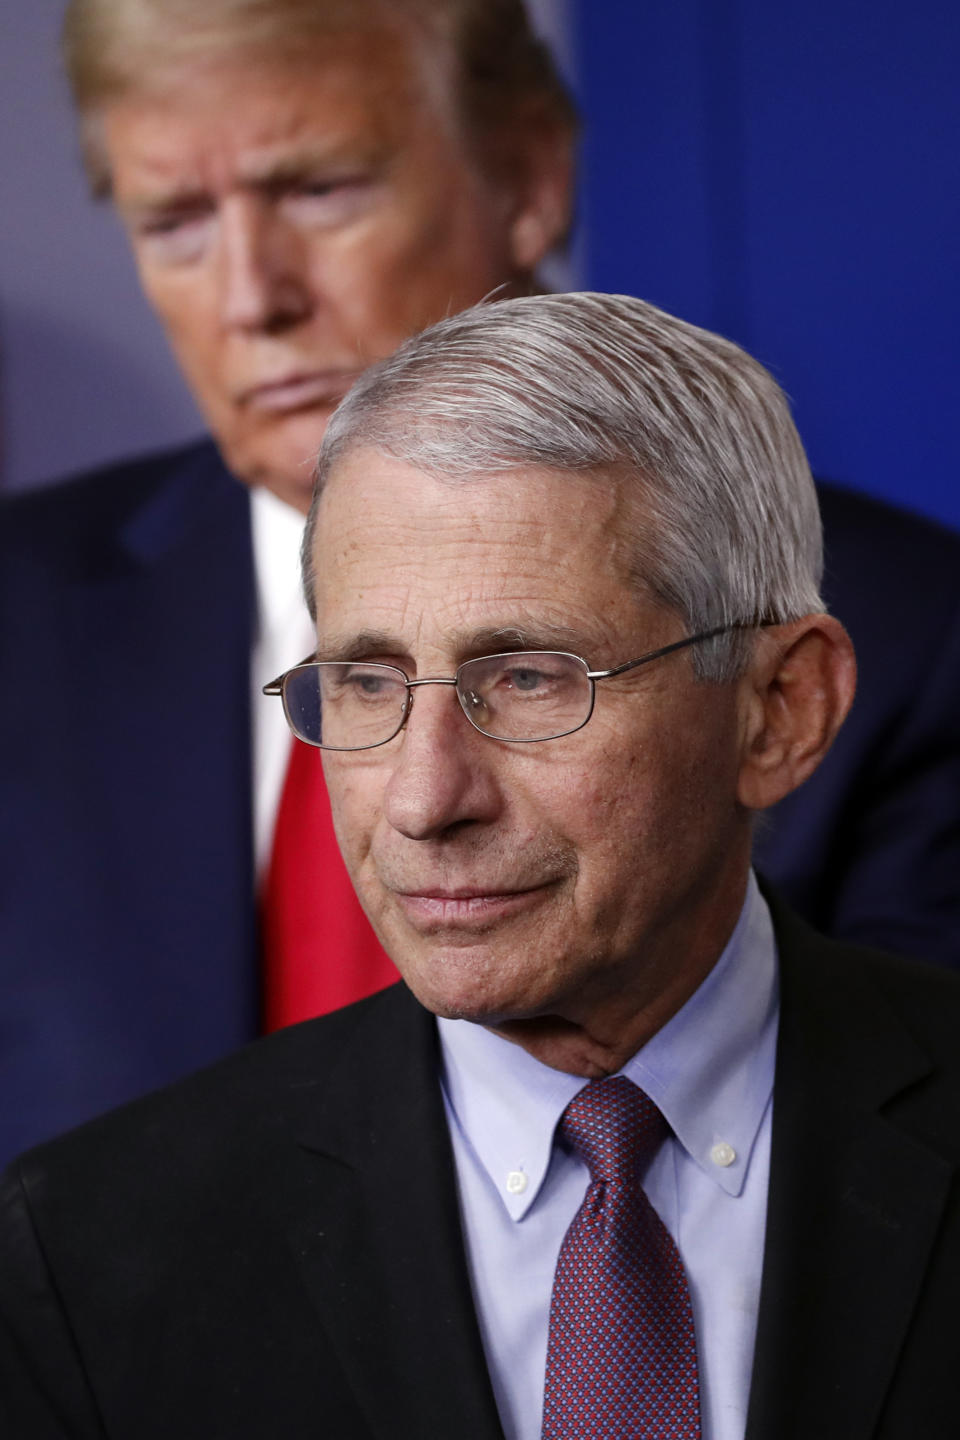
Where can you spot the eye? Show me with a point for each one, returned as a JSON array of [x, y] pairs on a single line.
[[314, 189], [172, 237], [363, 685], [330, 201], [369, 684], [525, 677]]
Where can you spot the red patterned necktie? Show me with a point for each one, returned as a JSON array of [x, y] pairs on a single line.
[[319, 951], [621, 1353]]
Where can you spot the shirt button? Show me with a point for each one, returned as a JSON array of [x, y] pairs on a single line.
[[516, 1182], [723, 1154]]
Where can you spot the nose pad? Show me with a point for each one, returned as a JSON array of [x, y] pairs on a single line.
[[474, 706], [407, 709]]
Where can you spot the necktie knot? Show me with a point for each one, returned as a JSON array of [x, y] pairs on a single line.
[[614, 1127]]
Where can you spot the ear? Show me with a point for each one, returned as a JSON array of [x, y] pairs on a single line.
[[543, 178], [795, 697]]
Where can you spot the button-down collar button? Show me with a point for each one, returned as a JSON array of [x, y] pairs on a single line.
[[516, 1182], [723, 1154]]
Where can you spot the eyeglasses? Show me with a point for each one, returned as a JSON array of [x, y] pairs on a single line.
[[521, 696]]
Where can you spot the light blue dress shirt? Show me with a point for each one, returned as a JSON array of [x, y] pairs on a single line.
[[710, 1071]]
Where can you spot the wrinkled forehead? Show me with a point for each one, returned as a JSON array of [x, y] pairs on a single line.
[[362, 483], [390, 544]]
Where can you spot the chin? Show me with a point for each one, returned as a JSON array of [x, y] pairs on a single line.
[[470, 983], [284, 460], [298, 441]]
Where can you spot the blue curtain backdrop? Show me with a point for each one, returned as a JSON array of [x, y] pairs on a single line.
[[788, 174]]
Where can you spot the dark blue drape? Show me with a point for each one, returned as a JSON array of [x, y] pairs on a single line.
[[789, 175]]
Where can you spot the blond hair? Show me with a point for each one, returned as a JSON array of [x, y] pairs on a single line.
[[505, 76]]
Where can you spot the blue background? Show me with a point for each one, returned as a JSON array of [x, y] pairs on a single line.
[[788, 174]]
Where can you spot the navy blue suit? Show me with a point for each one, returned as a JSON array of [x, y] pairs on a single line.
[[869, 848], [127, 923], [127, 916]]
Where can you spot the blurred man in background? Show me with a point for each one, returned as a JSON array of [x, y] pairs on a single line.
[[304, 183]]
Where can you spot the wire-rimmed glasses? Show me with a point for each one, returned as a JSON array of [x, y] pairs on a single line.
[[521, 696]]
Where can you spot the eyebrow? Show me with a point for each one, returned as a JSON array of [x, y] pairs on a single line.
[[291, 165], [268, 172], [181, 200], [358, 647], [464, 644]]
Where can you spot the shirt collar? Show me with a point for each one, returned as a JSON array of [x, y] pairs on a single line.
[[277, 533], [709, 1070]]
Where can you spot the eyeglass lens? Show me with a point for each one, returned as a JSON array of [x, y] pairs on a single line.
[[529, 695], [345, 707]]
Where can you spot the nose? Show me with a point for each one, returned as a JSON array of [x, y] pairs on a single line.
[[264, 283], [442, 779]]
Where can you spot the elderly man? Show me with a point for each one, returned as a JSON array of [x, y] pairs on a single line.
[[668, 1163], [305, 183]]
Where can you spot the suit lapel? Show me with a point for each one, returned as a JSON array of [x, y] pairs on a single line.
[[380, 1248], [855, 1202]]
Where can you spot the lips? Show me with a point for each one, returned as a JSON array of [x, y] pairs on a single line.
[[299, 390], [465, 909]]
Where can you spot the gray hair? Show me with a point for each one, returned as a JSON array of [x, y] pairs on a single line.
[[729, 530], [504, 78]]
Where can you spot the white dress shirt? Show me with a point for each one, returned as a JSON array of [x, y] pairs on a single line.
[[285, 635], [710, 1072]]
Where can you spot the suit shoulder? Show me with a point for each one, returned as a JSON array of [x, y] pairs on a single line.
[[222, 1120], [834, 970], [869, 541], [897, 972], [851, 514], [71, 510], [925, 997], [893, 579], [113, 480], [855, 990], [66, 539]]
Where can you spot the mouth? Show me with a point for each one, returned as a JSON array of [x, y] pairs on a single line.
[[430, 911], [298, 391]]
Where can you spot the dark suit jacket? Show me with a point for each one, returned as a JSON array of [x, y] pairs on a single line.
[[127, 925], [869, 848], [272, 1247], [127, 922]]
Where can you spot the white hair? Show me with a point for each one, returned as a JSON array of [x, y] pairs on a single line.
[[728, 530]]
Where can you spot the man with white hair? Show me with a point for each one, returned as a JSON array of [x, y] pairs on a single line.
[[305, 183], [632, 1151]]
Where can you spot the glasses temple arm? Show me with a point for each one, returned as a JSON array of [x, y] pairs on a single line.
[[275, 687], [679, 645]]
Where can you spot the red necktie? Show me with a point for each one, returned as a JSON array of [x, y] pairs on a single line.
[[621, 1352], [318, 948]]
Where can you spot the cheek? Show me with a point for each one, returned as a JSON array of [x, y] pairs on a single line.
[[413, 267], [174, 297], [191, 331], [361, 293], [355, 788], [633, 811], [587, 810]]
